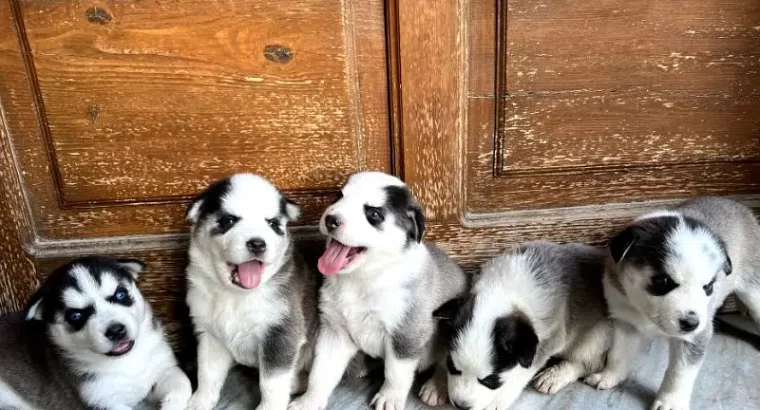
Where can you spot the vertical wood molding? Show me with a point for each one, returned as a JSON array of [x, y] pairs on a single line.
[[432, 66]]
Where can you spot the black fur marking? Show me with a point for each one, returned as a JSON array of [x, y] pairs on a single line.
[[77, 318], [52, 290], [224, 223], [709, 287], [121, 297], [493, 381], [278, 350], [661, 285], [451, 368], [514, 342], [409, 217], [276, 225], [211, 199], [453, 316]]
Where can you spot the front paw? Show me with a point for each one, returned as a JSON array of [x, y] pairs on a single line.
[[434, 392], [201, 401], [307, 402], [554, 378], [270, 405], [603, 380], [670, 402], [389, 399], [178, 401]]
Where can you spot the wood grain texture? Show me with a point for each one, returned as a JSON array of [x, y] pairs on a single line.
[[17, 274], [141, 109], [432, 75]]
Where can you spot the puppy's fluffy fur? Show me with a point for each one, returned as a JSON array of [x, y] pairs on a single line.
[[383, 284], [667, 274], [527, 305], [89, 331], [252, 298]]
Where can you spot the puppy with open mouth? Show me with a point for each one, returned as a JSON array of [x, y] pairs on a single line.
[[383, 283], [89, 334], [667, 274], [252, 298]]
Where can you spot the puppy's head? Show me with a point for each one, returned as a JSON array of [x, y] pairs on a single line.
[[487, 348], [92, 305], [668, 266], [374, 218], [240, 230]]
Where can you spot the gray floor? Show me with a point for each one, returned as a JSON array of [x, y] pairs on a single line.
[[729, 379]]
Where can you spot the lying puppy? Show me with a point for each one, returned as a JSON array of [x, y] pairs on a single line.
[[252, 298], [667, 274], [383, 283], [527, 305], [90, 340]]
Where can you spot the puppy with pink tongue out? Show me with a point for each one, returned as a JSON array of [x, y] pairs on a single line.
[[252, 298], [382, 284]]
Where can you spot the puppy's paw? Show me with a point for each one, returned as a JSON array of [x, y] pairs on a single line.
[[434, 392], [389, 399], [307, 402], [603, 380], [670, 402], [554, 378], [175, 401], [270, 405], [201, 401]]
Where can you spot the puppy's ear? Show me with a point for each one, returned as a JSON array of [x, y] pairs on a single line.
[[418, 221], [194, 209], [291, 210], [621, 243], [449, 310], [133, 266], [35, 306], [516, 338]]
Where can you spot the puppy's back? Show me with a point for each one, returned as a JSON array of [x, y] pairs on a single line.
[[30, 366], [449, 281]]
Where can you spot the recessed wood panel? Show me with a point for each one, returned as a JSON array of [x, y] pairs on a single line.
[[121, 111], [579, 103]]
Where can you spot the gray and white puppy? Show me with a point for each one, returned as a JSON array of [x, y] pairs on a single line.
[[383, 284], [89, 339], [527, 305], [667, 274], [252, 298]]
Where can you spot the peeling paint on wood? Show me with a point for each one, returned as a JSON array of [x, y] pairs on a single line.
[[278, 54], [98, 15]]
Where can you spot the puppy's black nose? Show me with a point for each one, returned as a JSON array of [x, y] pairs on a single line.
[[256, 245], [332, 222], [116, 331], [460, 405], [689, 323]]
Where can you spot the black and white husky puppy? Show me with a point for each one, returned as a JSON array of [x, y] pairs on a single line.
[[527, 305], [89, 339], [667, 274], [252, 298], [383, 283]]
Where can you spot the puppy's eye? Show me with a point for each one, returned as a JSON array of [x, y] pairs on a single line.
[[273, 223], [225, 222], [661, 285], [709, 287], [374, 215], [74, 315], [120, 295], [452, 369], [493, 381]]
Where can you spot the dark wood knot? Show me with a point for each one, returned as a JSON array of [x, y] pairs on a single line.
[[278, 54], [98, 15]]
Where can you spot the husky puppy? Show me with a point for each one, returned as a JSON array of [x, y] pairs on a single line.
[[383, 284], [252, 298], [527, 305], [89, 339], [667, 273]]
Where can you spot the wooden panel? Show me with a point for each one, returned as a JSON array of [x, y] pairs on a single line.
[[144, 103], [589, 114]]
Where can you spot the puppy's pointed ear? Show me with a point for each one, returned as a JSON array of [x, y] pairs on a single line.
[[449, 310], [194, 209], [516, 339], [133, 266], [35, 306], [291, 210], [622, 242], [418, 219]]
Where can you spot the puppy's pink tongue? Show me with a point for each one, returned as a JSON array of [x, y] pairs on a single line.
[[249, 274], [334, 259]]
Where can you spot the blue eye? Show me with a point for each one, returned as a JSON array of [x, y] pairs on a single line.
[[120, 295], [73, 315]]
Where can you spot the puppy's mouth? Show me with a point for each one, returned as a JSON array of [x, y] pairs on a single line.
[[121, 348], [246, 275], [337, 256]]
